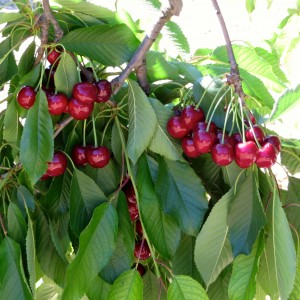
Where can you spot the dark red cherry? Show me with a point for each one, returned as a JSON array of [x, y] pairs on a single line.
[[274, 140], [227, 139], [222, 154], [203, 126], [26, 96], [58, 164], [104, 90], [79, 155], [141, 269], [237, 138], [133, 211], [188, 147], [129, 192], [190, 116], [138, 227], [266, 156], [257, 132], [98, 157], [53, 57], [85, 92], [142, 250], [252, 120], [204, 140], [245, 154], [176, 128], [78, 110], [57, 103]]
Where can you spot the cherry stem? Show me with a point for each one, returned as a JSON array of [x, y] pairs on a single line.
[[84, 130], [291, 204], [94, 130], [3, 225], [243, 122], [226, 119]]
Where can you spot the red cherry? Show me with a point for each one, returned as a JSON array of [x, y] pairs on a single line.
[[133, 211], [227, 139], [141, 269], [26, 96], [252, 120], [79, 155], [203, 126], [57, 103], [176, 128], [141, 250], [266, 156], [58, 164], [98, 157], [204, 140], [138, 227], [245, 154], [255, 132], [190, 116], [222, 154], [104, 90], [53, 57], [274, 140], [78, 110], [129, 192], [189, 148], [237, 138], [85, 92], [45, 176]]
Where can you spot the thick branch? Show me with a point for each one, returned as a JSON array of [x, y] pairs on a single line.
[[137, 61]]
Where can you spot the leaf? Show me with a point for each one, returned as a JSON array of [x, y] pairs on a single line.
[[288, 101], [250, 5], [128, 285], [32, 77], [66, 75], [190, 72], [9, 16], [85, 195], [184, 287], [25, 198], [212, 250], [109, 45], [183, 199], [245, 216], [218, 290], [27, 60], [98, 289], [31, 255], [242, 283], [36, 148], [116, 143], [290, 158], [48, 291], [96, 246], [12, 280], [161, 229], [178, 38], [295, 294], [152, 287], [142, 121], [162, 143]]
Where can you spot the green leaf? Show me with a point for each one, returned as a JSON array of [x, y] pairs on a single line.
[[128, 285], [25, 198], [250, 5], [32, 77], [218, 290], [48, 291], [116, 143], [12, 279], [178, 38], [66, 75], [190, 72], [109, 45], [290, 158], [162, 143], [288, 101], [85, 195], [295, 294], [153, 289], [31, 255], [183, 199], [98, 289], [9, 16], [27, 60], [36, 148], [213, 251], [245, 216], [142, 121], [242, 283], [185, 288], [161, 229]]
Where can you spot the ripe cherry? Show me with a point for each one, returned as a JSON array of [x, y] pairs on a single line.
[[204, 140], [175, 128], [188, 147], [85, 92], [78, 110], [255, 132], [79, 155], [245, 154], [129, 192], [222, 154], [138, 227], [266, 156], [26, 96], [133, 210], [57, 103], [58, 164], [227, 139], [237, 138], [53, 56], [190, 116], [104, 90], [203, 126], [274, 140], [141, 269], [98, 157], [142, 250]]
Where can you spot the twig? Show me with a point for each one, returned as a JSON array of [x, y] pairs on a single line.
[[137, 62], [3, 225], [60, 126]]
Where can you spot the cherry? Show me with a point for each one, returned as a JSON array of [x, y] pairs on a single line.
[[237, 138], [222, 154], [142, 250], [129, 192], [79, 155], [175, 128], [141, 269], [58, 165], [274, 140], [138, 227], [190, 116], [104, 90], [133, 211], [203, 126], [227, 139], [57, 103], [78, 110], [252, 120], [189, 148], [98, 157], [204, 140], [266, 156], [85, 92], [26, 96], [53, 57], [245, 154], [255, 132]]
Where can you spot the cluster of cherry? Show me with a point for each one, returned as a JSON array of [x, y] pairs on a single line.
[[199, 137]]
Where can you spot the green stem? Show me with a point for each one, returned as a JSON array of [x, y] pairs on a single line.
[[84, 130], [226, 119], [94, 130], [242, 118]]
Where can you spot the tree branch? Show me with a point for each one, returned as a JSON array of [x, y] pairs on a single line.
[[137, 61]]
